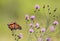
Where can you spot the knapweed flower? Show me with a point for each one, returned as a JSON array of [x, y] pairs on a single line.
[[37, 25], [48, 39], [20, 35], [32, 17], [52, 28], [55, 22], [27, 17], [43, 29], [37, 6], [39, 39], [31, 25], [31, 30]]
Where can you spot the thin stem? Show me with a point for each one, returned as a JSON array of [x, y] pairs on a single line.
[[34, 31], [13, 33], [35, 34], [29, 39]]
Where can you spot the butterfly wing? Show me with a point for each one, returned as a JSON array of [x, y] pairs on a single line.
[[11, 26], [17, 26]]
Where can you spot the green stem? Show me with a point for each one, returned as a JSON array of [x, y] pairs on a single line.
[[34, 31], [35, 34], [29, 38], [14, 35]]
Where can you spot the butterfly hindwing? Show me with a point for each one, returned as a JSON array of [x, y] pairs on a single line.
[[17, 26]]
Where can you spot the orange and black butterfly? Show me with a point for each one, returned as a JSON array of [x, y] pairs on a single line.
[[14, 26]]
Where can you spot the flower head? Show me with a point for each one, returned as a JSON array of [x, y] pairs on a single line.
[[20, 35], [52, 28], [48, 39], [32, 17], [37, 6], [43, 29], [31, 25], [27, 17], [37, 25], [55, 22], [31, 30]]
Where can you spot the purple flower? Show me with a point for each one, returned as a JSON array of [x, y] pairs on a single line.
[[37, 6], [39, 39], [32, 17], [20, 35], [55, 22], [43, 29], [52, 28], [48, 39], [31, 25], [37, 25], [31, 30], [27, 17]]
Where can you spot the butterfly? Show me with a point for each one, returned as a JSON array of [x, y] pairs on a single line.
[[14, 26]]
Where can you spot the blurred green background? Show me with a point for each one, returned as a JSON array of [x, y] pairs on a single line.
[[15, 10]]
